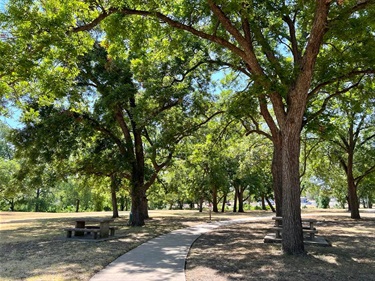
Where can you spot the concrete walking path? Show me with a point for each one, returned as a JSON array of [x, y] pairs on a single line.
[[162, 258]]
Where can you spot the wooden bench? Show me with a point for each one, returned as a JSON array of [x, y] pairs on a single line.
[[311, 230], [70, 230], [112, 230], [88, 229], [278, 232]]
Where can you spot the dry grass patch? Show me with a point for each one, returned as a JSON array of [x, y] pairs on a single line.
[[237, 252], [33, 245]]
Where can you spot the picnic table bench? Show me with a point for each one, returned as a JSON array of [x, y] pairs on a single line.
[[102, 230], [307, 227]]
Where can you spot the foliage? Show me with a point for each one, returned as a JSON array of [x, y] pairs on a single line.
[[323, 201], [296, 56]]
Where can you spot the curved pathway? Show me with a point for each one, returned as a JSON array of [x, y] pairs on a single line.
[[162, 258]]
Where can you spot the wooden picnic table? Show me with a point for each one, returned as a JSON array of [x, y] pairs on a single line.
[[308, 228], [101, 226]]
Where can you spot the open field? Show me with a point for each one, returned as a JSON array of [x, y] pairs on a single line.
[[33, 246]]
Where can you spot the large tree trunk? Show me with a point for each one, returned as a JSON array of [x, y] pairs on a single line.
[[224, 202], [235, 199], [240, 199], [263, 202], [145, 205], [214, 199], [352, 190], [200, 205], [277, 174], [114, 198], [271, 206], [139, 200], [124, 203], [137, 209], [180, 204], [292, 242], [37, 203]]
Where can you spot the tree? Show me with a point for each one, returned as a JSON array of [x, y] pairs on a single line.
[[113, 129], [346, 131], [243, 29], [353, 145], [248, 36], [9, 190]]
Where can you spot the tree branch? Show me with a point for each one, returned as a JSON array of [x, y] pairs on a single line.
[[97, 126], [195, 127], [367, 139], [319, 28], [119, 116], [360, 5], [293, 40], [351, 74], [256, 130], [327, 99], [369, 171], [157, 168], [95, 22]]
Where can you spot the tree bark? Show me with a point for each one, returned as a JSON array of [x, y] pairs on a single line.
[[145, 204], [224, 202], [200, 205], [77, 205], [214, 199], [240, 199], [235, 199], [277, 174], [137, 209], [271, 206], [292, 242], [180, 204], [37, 200], [352, 190], [114, 198], [263, 202], [138, 195]]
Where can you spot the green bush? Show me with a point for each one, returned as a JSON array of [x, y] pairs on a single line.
[[323, 202]]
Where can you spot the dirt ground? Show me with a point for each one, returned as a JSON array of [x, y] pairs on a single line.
[[33, 247], [237, 252]]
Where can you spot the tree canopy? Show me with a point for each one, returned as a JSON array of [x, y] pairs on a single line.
[[294, 56]]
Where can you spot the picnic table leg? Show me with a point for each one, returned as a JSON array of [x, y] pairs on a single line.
[[79, 224], [312, 234], [112, 231], [104, 229], [278, 223]]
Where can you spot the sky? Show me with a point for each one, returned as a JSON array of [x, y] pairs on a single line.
[[12, 120], [2, 4]]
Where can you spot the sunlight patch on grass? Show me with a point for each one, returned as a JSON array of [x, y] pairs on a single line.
[[328, 258], [364, 260]]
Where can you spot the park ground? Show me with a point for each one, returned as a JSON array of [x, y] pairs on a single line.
[[33, 247]]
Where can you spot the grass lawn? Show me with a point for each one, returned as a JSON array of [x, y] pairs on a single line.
[[33, 245]]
